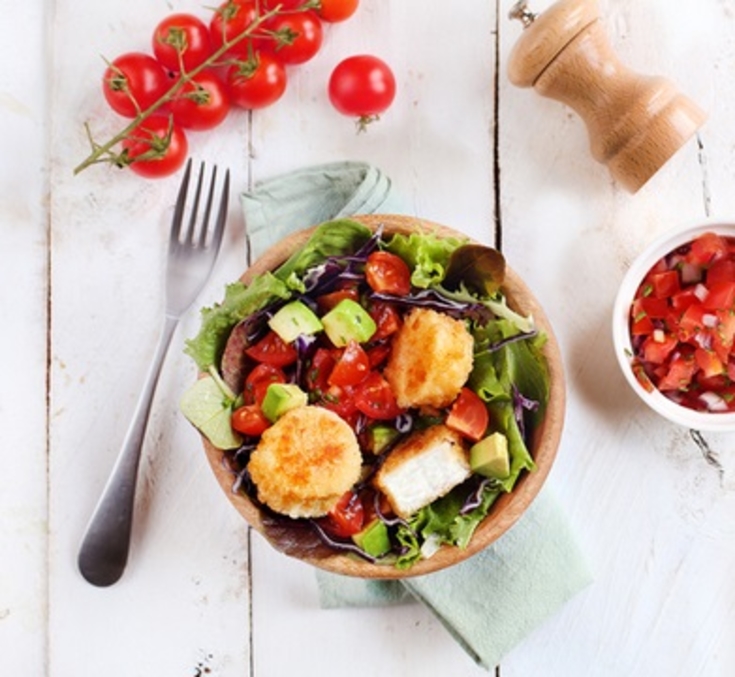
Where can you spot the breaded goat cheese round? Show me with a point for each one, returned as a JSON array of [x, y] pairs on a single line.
[[305, 462], [431, 359]]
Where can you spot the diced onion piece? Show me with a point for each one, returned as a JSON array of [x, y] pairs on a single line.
[[690, 273], [713, 401], [700, 291], [709, 320], [659, 335]]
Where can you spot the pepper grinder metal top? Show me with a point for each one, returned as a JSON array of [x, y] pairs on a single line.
[[635, 122]]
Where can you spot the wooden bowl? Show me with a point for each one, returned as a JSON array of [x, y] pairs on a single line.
[[303, 544]]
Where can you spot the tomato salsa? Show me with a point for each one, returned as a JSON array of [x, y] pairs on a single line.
[[682, 325]]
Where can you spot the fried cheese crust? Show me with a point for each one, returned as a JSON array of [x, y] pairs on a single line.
[[431, 359], [305, 462]]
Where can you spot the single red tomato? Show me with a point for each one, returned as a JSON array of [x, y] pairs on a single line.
[[258, 380], [346, 518], [157, 147], [249, 420], [133, 82], [229, 21], [362, 86], [202, 103], [272, 349], [388, 273], [296, 36], [258, 82], [352, 366], [327, 301], [181, 42], [469, 415], [374, 398], [333, 11]]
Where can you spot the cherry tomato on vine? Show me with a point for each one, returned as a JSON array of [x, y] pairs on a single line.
[[133, 82], [297, 36], [157, 147], [202, 103], [336, 10], [230, 19], [181, 40], [258, 82], [362, 86]]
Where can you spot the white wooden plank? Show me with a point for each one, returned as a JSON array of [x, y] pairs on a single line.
[[23, 275], [637, 489], [183, 603]]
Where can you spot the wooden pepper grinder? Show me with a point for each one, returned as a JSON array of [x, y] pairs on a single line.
[[635, 123]]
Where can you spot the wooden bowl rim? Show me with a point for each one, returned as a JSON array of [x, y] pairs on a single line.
[[508, 508]]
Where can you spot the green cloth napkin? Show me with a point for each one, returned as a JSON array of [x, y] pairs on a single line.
[[491, 601]]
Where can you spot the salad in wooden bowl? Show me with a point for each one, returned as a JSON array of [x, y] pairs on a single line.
[[379, 396]]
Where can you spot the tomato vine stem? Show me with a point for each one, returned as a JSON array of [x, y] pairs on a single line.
[[104, 152]]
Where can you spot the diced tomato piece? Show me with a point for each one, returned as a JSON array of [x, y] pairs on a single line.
[[721, 296], [723, 335], [387, 320], [469, 415], [708, 362], [692, 322], [683, 299], [374, 398], [722, 270], [679, 374], [665, 284], [655, 308], [340, 400], [378, 354], [259, 379], [706, 248], [658, 346], [352, 366], [346, 518], [318, 371], [272, 349], [642, 325]]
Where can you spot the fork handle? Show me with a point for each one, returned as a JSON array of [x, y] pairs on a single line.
[[106, 543]]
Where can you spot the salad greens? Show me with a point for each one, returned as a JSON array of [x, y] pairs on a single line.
[[509, 370]]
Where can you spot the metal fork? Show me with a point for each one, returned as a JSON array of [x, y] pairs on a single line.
[[191, 255]]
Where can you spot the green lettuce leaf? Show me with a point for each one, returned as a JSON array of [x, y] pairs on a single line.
[[426, 253]]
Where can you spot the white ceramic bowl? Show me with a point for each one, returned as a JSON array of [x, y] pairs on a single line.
[[659, 248]]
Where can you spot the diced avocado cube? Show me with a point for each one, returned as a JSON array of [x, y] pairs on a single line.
[[280, 398], [380, 436], [293, 320], [489, 457], [348, 320], [373, 538]]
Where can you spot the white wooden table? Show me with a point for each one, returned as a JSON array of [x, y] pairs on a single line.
[[82, 257]]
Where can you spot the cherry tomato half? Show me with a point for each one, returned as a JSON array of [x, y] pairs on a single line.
[[346, 518], [249, 420], [352, 366], [469, 415], [202, 103], [272, 349], [181, 40], [258, 82], [156, 148], [388, 273], [258, 380], [374, 398], [133, 82], [362, 86]]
